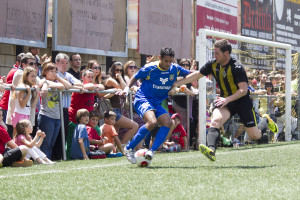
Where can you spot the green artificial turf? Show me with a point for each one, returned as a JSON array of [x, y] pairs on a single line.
[[269, 171]]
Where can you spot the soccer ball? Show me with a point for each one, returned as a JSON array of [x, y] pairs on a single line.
[[141, 161]]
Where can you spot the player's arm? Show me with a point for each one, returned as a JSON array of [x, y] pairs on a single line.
[[259, 92], [188, 79]]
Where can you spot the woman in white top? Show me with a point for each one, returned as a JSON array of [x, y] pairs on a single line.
[[25, 100]]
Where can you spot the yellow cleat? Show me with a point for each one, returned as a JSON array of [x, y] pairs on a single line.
[[271, 124], [207, 152]]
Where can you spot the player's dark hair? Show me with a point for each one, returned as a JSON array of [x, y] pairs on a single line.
[[108, 114], [224, 45], [168, 51]]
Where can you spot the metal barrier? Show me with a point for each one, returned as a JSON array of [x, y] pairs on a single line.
[[201, 117]]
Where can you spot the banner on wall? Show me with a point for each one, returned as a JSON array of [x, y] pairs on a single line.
[[287, 26], [23, 22], [257, 22], [92, 27], [166, 23], [217, 15]]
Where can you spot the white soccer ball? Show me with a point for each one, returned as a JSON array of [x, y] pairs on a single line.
[[141, 161]]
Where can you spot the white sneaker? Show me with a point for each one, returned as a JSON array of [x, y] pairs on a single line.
[[130, 155], [149, 155]]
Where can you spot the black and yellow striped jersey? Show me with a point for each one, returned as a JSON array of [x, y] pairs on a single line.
[[227, 76]]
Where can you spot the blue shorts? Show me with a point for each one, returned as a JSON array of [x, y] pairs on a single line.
[[143, 105], [118, 113]]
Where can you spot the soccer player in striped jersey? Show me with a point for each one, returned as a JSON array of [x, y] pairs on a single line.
[[234, 98], [157, 80]]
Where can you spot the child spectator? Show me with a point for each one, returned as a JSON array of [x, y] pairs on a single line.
[[96, 140], [27, 100], [9, 80], [24, 129], [14, 155], [26, 61], [49, 116], [80, 147], [178, 136], [85, 100], [109, 131], [80, 101]]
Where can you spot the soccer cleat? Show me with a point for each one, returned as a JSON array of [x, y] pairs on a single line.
[[25, 163], [149, 155], [271, 124], [207, 152], [130, 155]]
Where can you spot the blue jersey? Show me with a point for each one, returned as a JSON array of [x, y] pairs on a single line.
[[156, 82]]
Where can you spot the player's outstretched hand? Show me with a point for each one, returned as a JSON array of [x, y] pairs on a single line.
[[220, 102], [172, 91]]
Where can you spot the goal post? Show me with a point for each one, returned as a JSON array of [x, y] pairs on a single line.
[[201, 46]]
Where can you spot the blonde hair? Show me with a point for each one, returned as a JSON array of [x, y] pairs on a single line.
[[127, 65], [26, 73], [24, 80]]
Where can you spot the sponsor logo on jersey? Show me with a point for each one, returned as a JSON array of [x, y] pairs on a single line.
[[160, 87], [163, 80], [224, 74], [171, 77]]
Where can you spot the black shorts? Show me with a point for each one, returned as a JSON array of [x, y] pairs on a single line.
[[11, 155], [244, 108]]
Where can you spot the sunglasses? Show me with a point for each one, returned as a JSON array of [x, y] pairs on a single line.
[[97, 67], [132, 67], [118, 70], [103, 77], [185, 65], [32, 63]]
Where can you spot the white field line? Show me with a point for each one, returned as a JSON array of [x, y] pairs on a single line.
[[127, 163]]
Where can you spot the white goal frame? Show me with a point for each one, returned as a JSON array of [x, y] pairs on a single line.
[[201, 46]]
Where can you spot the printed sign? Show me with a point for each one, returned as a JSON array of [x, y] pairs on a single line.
[[217, 15]]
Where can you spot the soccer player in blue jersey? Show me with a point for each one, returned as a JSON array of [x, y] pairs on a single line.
[[157, 80]]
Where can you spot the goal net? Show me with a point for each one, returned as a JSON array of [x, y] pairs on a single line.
[[261, 59]]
